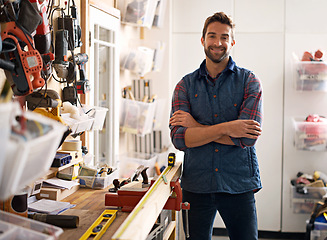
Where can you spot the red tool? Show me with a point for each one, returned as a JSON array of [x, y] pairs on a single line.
[[28, 64], [128, 199]]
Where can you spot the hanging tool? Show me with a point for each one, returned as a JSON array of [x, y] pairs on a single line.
[[42, 38], [82, 84], [71, 24], [28, 64], [100, 226]]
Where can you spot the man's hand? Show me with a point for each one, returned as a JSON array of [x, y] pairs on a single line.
[[184, 119], [243, 128]]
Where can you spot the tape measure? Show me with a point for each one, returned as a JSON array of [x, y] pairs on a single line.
[[100, 226]]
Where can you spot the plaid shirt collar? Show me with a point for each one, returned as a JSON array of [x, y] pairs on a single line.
[[204, 72]]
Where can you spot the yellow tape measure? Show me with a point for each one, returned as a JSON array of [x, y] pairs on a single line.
[[100, 226]]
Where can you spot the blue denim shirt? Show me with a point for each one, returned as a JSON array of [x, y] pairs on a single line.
[[215, 167]]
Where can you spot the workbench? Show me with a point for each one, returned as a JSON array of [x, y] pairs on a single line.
[[90, 204]]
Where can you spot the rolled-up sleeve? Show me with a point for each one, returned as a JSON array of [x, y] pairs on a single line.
[[180, 101], [251, 108]]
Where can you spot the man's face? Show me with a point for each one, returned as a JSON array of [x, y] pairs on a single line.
[[218, 42]]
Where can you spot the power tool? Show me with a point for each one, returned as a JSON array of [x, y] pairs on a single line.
[[71, 24], [42, 37], [28, 64], [61, 63], [82, 84]]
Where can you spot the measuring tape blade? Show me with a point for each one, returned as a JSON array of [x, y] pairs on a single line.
[[100, 226]]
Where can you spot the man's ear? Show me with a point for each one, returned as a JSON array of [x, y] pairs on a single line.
[[202, 41], [233, 43]]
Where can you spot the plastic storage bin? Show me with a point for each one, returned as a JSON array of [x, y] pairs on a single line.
[[16, 227], [138, 60], [99, 115], [310, 136], [310, 76], [5, 125], [138, 12], [137, 117], [319, 232], [159, 114], [26, 161], [78, 125], [304, 203], [97, 182], [131, 161]]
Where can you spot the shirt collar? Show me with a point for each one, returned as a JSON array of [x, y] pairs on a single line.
[[230, 67]]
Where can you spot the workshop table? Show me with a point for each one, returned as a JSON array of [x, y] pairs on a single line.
[[89, 205]]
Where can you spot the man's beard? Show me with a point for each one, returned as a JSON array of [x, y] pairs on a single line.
[[213, 58]]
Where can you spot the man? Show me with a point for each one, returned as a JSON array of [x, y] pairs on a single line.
[[215, 119]]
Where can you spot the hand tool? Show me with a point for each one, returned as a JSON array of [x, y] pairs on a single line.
[[64, 221], [100, 225]]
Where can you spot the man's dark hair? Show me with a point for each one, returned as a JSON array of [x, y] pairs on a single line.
[[219, 17]]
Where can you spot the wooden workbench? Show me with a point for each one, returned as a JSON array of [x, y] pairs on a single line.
[[90, 204]]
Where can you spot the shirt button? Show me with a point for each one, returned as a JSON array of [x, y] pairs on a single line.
[[214, 96], [216, 115], [216, 150], [216, 169]]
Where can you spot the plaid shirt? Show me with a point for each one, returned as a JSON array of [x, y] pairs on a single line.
[[235, 94]]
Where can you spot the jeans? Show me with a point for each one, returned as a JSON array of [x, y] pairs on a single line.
[[238, 211]]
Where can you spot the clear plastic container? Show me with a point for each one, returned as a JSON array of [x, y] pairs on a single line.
[[78, 126], [159, 113], [137, 117], [304, 203], [138, 12], [131, 161], [310, 136], [16, 227], [310, 76], [29, 160], [97, 182], [5, 126], [319, 232], [99, 115]]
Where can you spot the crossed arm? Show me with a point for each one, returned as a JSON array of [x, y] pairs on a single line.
[[197, 134]]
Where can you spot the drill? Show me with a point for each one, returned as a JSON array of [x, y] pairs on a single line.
[[82, 85]]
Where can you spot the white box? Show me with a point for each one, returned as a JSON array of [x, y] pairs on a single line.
[[26, 161], [310, 136], [319, 232], [16, 227], [137, 117], [128, 163]]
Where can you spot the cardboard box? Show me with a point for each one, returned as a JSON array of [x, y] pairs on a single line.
[[55, 193]]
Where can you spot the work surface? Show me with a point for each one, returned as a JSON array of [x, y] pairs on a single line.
[[89, 206], [91, 203]]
